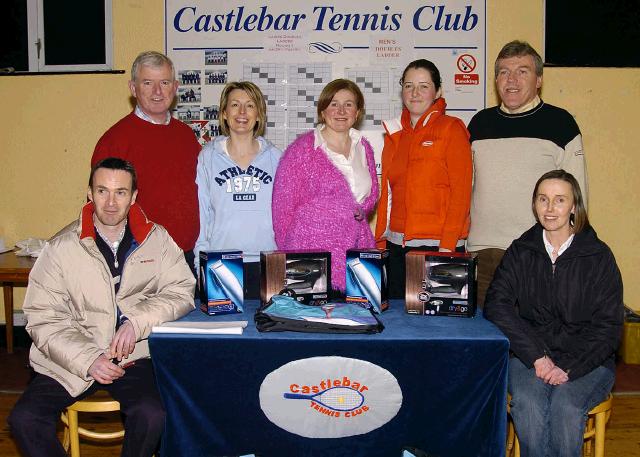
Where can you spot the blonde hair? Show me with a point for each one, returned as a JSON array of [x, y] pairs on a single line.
[[254, 94]]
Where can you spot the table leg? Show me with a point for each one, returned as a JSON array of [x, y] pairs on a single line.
[[7, 289]]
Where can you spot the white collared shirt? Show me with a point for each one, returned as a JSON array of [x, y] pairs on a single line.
[[550, 249], [145, 117], [354, 168]]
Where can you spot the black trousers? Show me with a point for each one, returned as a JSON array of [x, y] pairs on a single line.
[[397, 274], [488, 261], [35, 416]]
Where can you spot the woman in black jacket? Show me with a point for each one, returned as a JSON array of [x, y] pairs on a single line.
[[557, 296]]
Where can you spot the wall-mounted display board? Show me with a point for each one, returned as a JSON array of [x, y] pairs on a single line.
[[292, 49]]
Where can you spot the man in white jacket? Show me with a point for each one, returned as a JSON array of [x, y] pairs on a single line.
[[94, 294]]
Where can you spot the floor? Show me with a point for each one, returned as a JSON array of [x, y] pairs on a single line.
[[623, 432]]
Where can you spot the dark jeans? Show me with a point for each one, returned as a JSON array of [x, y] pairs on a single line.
[[35, 416], [397, 274], [550, 420], [488, 261]]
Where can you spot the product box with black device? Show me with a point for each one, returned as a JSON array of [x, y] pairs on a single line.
[[307, 273], [220, 280], [441, 283], [367, 283]]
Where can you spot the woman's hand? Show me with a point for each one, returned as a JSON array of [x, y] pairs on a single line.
[[358, 214], [557, 376], [549, 372], [543, 367]]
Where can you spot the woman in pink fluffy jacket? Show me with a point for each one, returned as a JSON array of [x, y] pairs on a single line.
[[326, 184]]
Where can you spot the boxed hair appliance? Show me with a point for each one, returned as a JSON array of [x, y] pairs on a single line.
[[307, 273], [441, 283], [221, 280], [366, 272]]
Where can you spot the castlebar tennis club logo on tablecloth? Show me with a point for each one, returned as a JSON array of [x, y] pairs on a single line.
[[330, 397]]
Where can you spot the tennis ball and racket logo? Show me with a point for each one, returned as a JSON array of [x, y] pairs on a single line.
[[344, 399], [330, 397], [335, 398]]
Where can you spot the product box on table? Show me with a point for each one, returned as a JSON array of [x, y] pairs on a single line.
[[221, 282], [308, 273], [441, 283], [367, 283]]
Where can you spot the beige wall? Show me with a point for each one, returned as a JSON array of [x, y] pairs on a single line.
[[50, 124], [603, 101]]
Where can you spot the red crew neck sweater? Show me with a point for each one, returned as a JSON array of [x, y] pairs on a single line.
[[165, 159]]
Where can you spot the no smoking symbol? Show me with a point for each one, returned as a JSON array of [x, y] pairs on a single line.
[[466, 63]]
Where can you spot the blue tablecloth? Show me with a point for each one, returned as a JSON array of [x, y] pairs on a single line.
[[452, 372]]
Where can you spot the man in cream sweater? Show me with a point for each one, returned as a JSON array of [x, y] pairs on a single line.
[[513, 145]]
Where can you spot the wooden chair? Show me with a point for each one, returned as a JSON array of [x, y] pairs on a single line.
[[594, 431], [99, 402]]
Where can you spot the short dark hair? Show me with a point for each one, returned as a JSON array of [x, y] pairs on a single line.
[[518, 48], [115, 163], [579, 219], [425, 65], [330, 90]]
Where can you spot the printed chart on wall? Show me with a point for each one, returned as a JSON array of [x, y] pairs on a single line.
[[291, 50]]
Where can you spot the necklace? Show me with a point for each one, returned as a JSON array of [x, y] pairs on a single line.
[[113, 245]]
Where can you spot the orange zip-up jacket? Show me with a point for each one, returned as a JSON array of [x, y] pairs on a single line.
[[437, 181]]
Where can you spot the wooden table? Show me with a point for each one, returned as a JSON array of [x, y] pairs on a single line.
[[14, 271]]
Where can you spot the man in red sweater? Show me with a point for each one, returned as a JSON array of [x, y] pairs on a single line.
[[163, 150]]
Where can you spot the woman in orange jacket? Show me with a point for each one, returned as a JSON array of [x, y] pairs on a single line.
[[426, 175]]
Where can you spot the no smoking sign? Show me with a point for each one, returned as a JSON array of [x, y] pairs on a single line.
[[466, 63]]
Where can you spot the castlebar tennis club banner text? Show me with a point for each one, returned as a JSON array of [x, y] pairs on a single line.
[[291, 50]]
